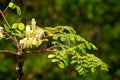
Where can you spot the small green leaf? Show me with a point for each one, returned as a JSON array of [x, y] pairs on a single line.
[[44, 39], [81, 70], [14, 26], [92, 69], [93, 46], [62, 38], [65, 59], [55, 60], [51, 55], [83, 51], [86, 65], [88, 46], [73, 61], [66, 62], [78, 38], [74, 57], [6, 28], [21, 26], [55, 37], [16, 34], [72, 38], [61, 65], [77, 67], [18, 10]]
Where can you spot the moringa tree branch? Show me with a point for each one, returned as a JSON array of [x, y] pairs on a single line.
[[5, 19], [8, 52], [38, 51]]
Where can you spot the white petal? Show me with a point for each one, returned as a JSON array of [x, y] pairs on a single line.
[[28, 28]]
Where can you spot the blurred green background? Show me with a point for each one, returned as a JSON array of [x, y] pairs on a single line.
[[96, 20]]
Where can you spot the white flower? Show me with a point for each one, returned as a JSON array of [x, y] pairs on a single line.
[[1, 29], [29, 42], [28, 29], [33, 35], [33, 23], [26, 42], [1, 35], [39, 33], [1, 32]]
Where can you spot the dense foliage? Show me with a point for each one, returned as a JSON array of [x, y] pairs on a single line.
[[98, 21]]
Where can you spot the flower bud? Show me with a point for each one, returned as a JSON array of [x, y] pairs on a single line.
[[1, 32], [33, 23], [28, 28]]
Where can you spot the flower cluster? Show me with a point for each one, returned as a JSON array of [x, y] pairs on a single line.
[[33, 35], [1, 32]]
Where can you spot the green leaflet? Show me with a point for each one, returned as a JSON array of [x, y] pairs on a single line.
[[86, 65], [77, 67], [88, 46], [65, 59], [72, 37], [62, 38], [51, 55], [93, 46], [6, 28], [82, 71], [78, 38], [14, 26], [55, 60], [73, 57], [92, 69], [18, 10], [83, 50], [21, 26], [55, 37], [61, 65], [73, 61]]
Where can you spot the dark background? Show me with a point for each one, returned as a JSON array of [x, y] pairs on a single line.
[[96, 20]]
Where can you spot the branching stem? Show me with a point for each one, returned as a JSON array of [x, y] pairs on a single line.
[[38, 51], [8, 52], [5, 19], [20, 52]]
